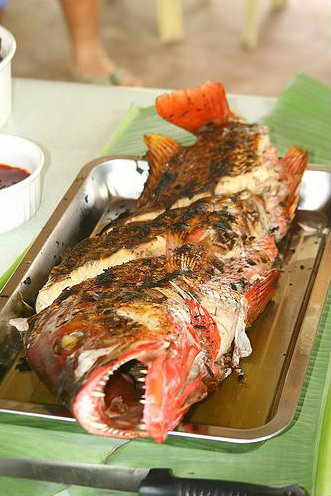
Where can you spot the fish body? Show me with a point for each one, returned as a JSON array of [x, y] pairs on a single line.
[[139, 323]]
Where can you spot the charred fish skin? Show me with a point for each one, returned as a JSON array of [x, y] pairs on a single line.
[[132, 343], [141, 239], [220, 154]]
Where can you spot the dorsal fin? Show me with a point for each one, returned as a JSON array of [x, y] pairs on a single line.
[[193, 108], [160, 150]]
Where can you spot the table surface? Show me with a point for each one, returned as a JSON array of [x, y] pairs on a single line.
[[72, 122]]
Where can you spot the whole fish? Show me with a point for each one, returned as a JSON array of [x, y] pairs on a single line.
[[139, 323]]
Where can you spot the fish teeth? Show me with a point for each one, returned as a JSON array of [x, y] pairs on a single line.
[[141, 379], [124, 422], [98, 394], [143, 401], [97, 425], [105, 428]]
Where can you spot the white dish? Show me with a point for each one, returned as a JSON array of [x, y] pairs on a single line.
[[8, 48], [20, 201]]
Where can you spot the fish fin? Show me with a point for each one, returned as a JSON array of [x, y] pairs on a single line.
[[259, 296], [294, 163], [178, 258], [160, 150], [182, 261], [193, 108], [182, 249], [204, 328]]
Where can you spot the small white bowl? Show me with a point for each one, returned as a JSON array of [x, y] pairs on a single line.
[[19, 202], [8, 48]]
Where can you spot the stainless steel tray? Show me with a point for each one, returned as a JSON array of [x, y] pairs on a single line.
[[246, 411]]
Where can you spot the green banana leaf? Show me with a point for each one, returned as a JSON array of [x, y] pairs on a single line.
[[300, 455]]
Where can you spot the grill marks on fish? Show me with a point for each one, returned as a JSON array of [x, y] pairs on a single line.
[[95, 307], [228, 150], [220, 222], [220, 160]]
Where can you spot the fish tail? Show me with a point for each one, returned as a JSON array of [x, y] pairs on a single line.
[[193, 108], [160, 150], [259, 295], [294, 163]]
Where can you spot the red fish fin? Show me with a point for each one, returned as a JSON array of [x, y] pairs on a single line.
[[193, 108], [175, 255], [294, 163], [182, 261], [160, 150], [183, 252], [259, 296]]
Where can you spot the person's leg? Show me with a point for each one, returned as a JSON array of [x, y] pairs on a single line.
[[2, 8], [90, 60]]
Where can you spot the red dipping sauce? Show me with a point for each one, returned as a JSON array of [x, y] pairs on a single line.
[[11, 175]]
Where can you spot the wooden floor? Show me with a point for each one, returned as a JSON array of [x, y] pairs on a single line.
[[291, 41]]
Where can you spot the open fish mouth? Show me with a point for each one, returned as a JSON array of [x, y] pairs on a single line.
[[135, 396], [113, 400]]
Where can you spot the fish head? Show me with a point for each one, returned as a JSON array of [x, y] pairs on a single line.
[[144, 385]]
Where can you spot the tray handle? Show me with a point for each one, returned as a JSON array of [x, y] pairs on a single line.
[[161, 482]]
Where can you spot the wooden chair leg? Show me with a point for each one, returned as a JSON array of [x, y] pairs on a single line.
[[170, 20], [249, 35]]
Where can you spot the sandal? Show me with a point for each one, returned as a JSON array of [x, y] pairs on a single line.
[[120, 77]]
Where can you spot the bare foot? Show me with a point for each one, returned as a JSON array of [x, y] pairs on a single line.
[[94, 65]]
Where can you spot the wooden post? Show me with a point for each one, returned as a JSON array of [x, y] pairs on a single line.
[[278, 4], [170, 20], [249, 34]]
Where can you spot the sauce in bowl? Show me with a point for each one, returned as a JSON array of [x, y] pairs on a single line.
[[11, 175]]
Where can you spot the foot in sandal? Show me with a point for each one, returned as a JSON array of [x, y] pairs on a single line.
[[91, 62], [94, 66]]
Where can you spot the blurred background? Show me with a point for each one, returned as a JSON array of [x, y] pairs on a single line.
[[210, 41]]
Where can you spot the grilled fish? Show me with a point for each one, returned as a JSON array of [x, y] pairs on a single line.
[[139, 323]]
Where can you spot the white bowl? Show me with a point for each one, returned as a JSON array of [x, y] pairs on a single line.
[[8, 48], [20, 201]]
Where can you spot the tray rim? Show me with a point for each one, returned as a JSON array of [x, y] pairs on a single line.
[[292, 384]]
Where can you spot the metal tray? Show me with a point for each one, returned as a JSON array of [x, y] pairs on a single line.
[[246, 411]]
